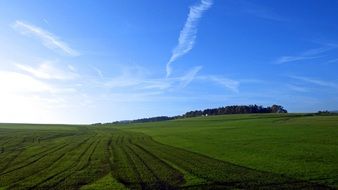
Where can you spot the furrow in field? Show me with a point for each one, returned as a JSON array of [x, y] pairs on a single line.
[[123, 168], [166, 172], [166, 176], [4, 141], [136, 182], [12, 159], [43, 168], [45, 153], [90, 155], [110, 155], [73, 178], [147, 177], [28, 157], [58, 177], [50, 151]]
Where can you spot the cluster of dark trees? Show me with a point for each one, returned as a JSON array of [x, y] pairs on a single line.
[[235, 109], [326, 112]]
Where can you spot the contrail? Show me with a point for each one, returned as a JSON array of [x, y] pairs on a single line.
[[47, 38], [187, 36]]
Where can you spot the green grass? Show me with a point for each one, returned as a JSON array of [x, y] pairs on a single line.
[[298, 146], [105, 183], [224, 152]]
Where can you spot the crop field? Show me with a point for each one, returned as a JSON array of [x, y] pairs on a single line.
[[295, 145], [199, 153]]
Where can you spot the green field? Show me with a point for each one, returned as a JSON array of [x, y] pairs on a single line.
[[265, 151]]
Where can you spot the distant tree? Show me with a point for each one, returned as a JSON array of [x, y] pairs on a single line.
[[325, 112], [277, 109]]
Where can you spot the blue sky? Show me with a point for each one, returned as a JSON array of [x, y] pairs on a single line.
[[99, 61]]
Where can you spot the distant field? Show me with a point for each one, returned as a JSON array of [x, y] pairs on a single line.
[[223, 152]]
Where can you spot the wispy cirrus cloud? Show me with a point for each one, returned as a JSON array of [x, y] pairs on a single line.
[[131, 80], [297, 88], [316, 81], [288, 59], [188, 34], [141, 82], [257, 10], [189, 77], [232, 85], [48, 39], [306, 55], [333, 61], [98, 72], [47, 70]]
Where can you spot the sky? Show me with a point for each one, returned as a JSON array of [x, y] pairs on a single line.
[[85, 61]]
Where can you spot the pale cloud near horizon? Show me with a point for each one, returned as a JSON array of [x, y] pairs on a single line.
[[48, 39], [188, 34], [14, 82], [31, 97]]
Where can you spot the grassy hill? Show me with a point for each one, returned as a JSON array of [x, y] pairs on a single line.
[[299, 146], [266, 151]]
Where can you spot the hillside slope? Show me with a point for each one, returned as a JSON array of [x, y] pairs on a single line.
[[299, 146]]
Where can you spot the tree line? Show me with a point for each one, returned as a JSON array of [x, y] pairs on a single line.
[[234, 109]]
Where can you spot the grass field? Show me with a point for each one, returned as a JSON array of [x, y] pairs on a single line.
[[221, 152]]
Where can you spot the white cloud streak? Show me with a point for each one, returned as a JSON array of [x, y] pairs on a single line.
[[316, 81], [297, 88], [138, 82], [228, 83], [258, 11], [307, 55], [48, 39], [188, 34], [189, 76], [232, 85], [333, 61], [47, 70], [99, 72], [288, 59]]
